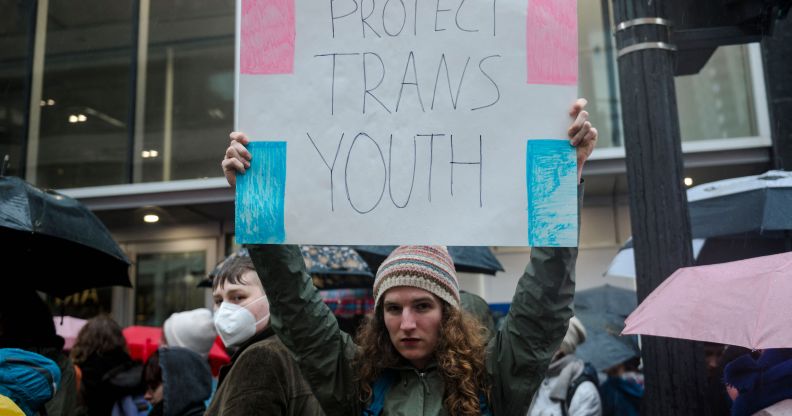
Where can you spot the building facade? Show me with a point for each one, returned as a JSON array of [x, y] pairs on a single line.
[[127, 105]]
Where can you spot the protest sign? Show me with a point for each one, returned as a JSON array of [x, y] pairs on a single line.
[[407, 121]]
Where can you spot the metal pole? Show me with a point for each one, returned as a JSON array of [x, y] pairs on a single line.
[[674, 369], [34, 99]]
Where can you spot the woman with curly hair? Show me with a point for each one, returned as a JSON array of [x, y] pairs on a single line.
[[420, 354]]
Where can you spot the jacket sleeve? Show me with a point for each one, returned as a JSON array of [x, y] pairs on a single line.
[[518, 355], [307, 327]]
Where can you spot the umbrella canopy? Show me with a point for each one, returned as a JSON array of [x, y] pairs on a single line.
[[466, 259], [602, 311], [623, 265], [334, 260], [337, 267], [732, 219], [742, 303], [606, 299], [330, 266], [60, 243], [68, 327], [142, 341], [712, 250], [748, 204], [605, 347]]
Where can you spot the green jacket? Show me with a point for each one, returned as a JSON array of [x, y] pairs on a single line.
[[517, 356]]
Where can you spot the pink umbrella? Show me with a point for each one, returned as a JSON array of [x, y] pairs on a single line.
[[68, 327], [743, 303]]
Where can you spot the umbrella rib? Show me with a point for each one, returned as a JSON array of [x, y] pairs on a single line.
[[764, 209]]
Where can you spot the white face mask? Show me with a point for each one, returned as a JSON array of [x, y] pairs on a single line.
[[236, 324]]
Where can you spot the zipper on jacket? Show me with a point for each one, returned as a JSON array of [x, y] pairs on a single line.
[[422, 377]]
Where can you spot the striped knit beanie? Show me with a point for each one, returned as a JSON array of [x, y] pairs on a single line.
[[426, 267]]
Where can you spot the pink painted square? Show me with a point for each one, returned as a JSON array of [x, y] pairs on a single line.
[[267, 44], [552, 42]]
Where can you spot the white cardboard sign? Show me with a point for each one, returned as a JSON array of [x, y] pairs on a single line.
[[407, 121]]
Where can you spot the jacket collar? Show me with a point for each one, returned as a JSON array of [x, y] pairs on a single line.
[[406, 366], [259, 336]]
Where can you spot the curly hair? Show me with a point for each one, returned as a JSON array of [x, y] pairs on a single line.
[[99, 335], [459, 356]]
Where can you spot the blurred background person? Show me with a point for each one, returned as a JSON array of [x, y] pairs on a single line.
[[193, 330], [622, 391], [26, 323], [178, 382], [570, 386], [27, 381], [109, 374]]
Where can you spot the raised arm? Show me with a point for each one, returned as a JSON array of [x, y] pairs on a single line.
[[307, 326], [297, 313], [518, 356]]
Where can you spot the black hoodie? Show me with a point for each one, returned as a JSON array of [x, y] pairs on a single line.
[[186, 382]]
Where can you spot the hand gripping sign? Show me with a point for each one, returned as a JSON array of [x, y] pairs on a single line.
[[407, 121]]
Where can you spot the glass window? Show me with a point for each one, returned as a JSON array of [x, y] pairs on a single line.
[[189, 89], [167, 283], [598, 75], [15, 22], [717, 103], [86, 131], [83, 137]]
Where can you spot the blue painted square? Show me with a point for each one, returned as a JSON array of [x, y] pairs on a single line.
[[551, 178], [260, 195]]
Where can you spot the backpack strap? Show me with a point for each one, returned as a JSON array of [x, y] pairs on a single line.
[[484, 405], [380, 390], [589, 374]]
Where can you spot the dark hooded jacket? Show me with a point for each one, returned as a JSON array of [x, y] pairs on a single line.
[[186, 383], [761, 382], [106, 378], [263, 379]]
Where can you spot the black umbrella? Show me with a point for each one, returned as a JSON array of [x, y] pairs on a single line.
[[602, 310], [747, 204], [607, 299], [604, 347], [466, 259], [59, 246], [733, 219]]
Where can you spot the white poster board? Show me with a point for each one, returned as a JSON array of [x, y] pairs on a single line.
[[407, 121]]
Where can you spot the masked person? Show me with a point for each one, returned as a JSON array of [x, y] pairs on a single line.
[[262, 378], [419, 354]]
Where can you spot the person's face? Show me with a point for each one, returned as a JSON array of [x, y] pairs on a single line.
[[712, 354], [413, 317], [153, 396], [242, 294]]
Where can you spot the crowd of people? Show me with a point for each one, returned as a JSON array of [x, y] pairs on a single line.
[[427, 348]]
